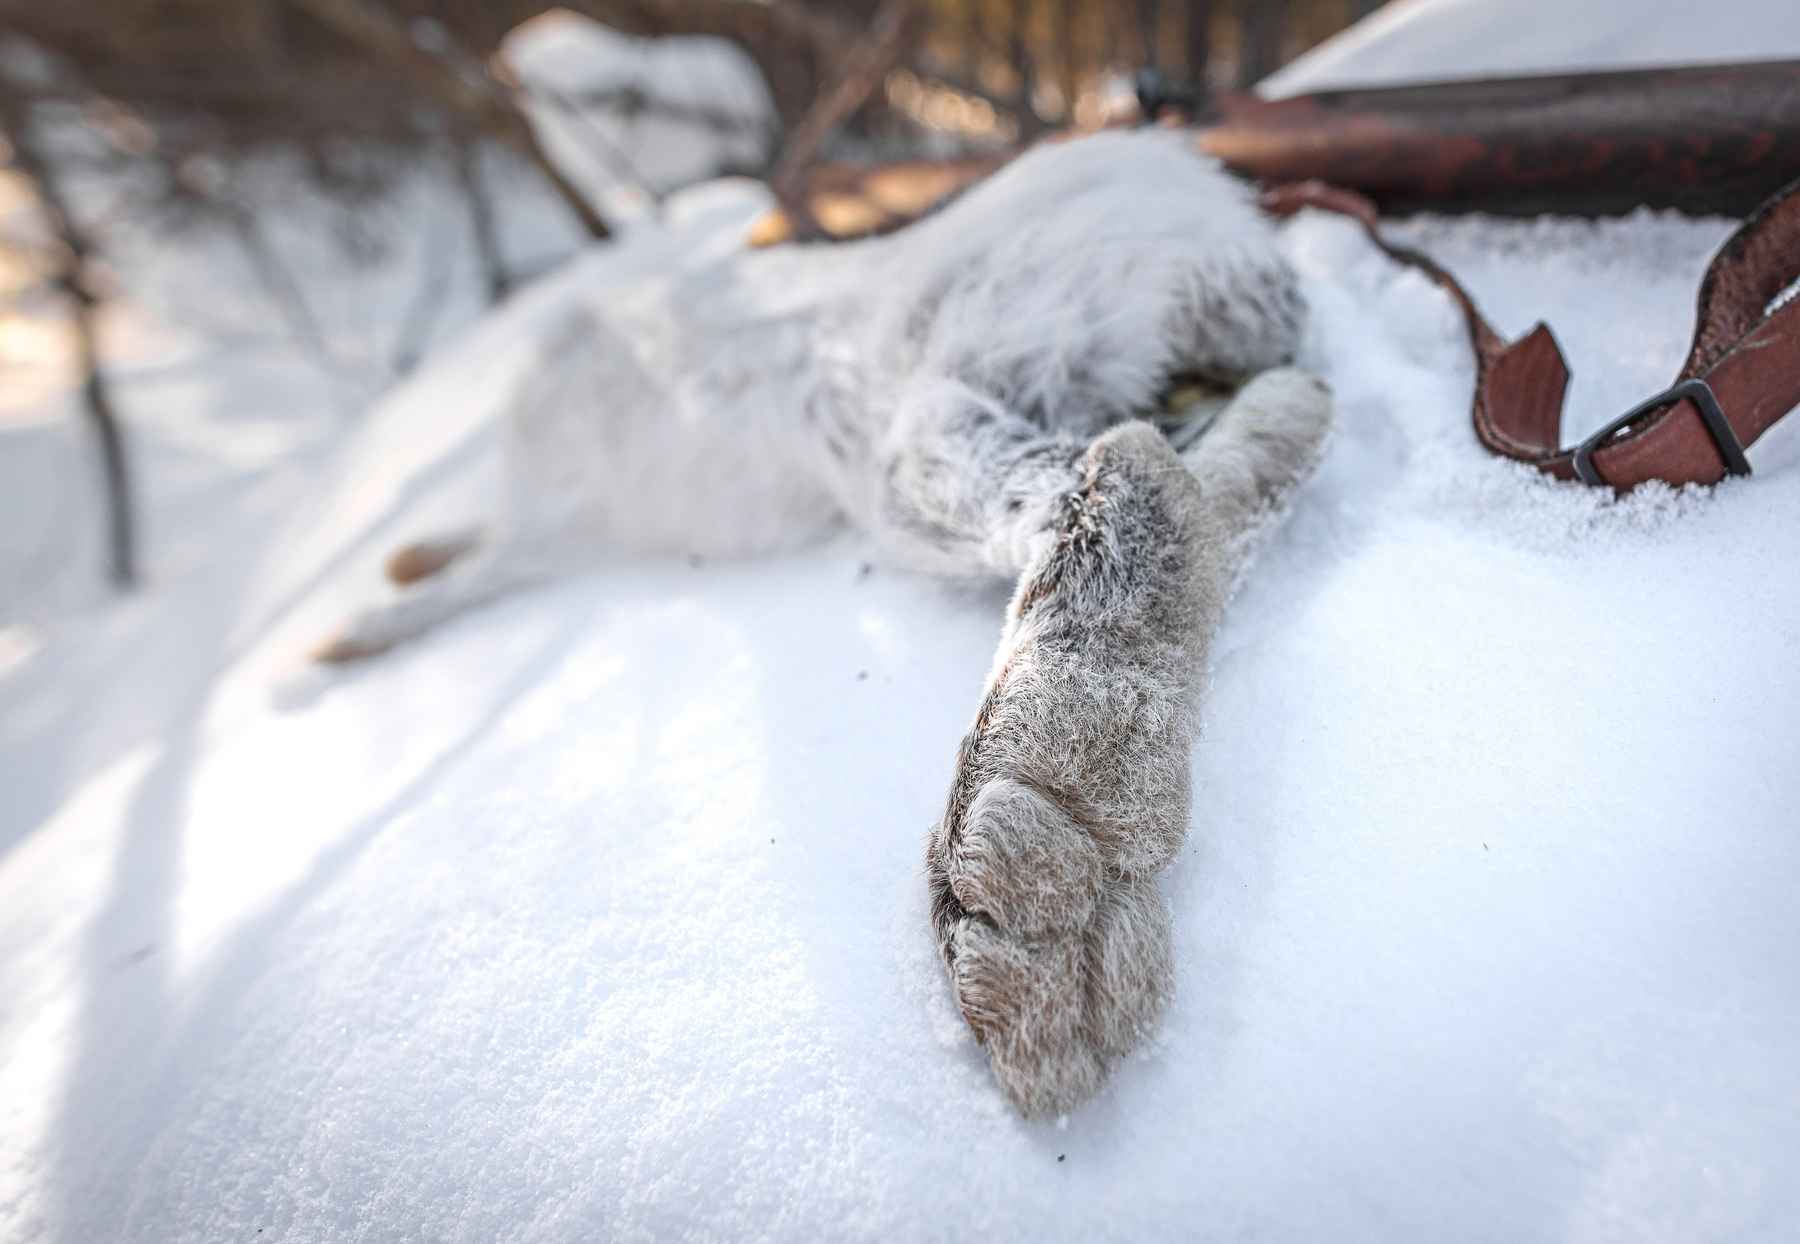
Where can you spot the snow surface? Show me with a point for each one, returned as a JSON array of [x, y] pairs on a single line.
[[599, 914]]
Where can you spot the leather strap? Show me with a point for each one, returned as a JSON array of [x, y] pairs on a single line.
[[1744, 362]]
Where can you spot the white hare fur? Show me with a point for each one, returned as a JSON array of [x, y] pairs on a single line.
[[965, 391]]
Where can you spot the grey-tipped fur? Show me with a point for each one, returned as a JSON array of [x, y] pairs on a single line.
[[1071, 788]]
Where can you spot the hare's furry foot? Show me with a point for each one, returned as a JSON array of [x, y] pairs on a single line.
[[1071, 789]]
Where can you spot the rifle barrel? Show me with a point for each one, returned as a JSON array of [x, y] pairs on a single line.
[[1702, 139]]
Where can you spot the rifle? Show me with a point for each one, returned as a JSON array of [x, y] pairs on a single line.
[[1710, 139]]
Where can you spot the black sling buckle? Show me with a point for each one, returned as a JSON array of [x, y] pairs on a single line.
[[1697, 391]]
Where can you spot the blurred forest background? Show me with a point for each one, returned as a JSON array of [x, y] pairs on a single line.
[[162, 118]]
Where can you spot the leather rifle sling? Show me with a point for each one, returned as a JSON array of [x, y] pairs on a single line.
[[1741, 376]]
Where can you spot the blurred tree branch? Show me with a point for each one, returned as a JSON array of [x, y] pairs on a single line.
[[459, 83], [867, 64]]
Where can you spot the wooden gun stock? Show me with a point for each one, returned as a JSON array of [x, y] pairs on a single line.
[[1711, 139]]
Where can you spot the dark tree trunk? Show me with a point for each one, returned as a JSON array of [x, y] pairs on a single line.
[[1199, 41], [481, 216], [73, 279]]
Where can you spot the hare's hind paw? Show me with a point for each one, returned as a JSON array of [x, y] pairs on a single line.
[[1071, 790], [1056, 1006]]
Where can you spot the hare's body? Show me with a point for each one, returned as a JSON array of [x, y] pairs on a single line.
[[965, 391]]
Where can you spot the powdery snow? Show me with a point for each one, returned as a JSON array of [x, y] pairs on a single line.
[[599, 915]]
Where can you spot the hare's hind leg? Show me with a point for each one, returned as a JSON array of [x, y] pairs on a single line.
[[1071, 787]]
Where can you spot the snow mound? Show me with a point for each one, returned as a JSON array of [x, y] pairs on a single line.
[[621, 115]]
